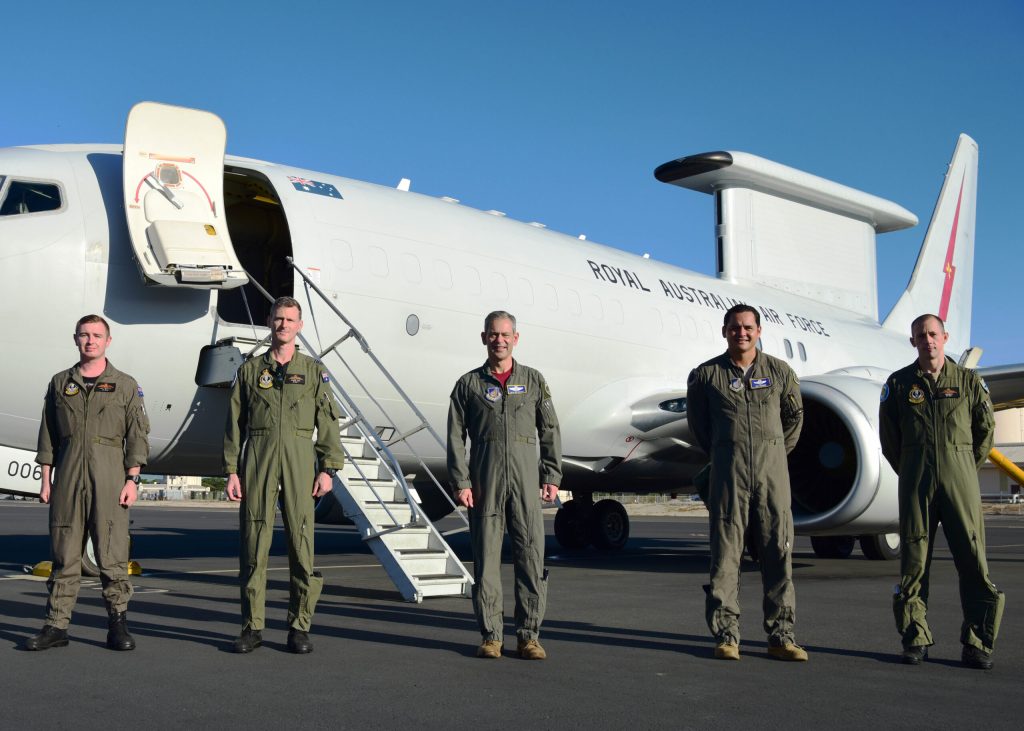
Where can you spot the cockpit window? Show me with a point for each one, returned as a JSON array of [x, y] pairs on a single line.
[[30, 197]]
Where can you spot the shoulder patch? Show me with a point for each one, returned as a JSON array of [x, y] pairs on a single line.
[[885, 393], [983, 384], [325, 378], [138, 390]]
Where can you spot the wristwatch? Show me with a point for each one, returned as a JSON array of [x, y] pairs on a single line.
[[330, 472], [134, 478]]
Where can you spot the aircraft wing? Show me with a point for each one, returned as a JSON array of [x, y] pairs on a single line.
[[1005, 385]]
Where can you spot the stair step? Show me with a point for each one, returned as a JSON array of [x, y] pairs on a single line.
[[439, 578]]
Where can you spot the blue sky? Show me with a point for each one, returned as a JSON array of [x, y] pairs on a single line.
[[560, 111]]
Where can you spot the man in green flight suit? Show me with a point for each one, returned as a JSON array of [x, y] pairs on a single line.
[[93, 442], [936, 427], [745, 410], [505, 408], [276, 402]]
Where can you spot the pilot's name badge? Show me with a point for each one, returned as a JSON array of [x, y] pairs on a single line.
[[760, 382], [493, 393], [736, 384], [948, 392], [297, 379], [266, 379], [106, 387], [516, 389], [71, 389], [916, 395]]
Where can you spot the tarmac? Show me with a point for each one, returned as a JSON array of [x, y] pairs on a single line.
[[625, 635]]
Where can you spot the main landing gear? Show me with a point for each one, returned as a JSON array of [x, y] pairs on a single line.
[[581, 522], [882, 547]]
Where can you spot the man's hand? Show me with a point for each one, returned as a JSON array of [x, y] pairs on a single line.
[[44, 494], [464, 498], [234, 488], [548, 492], [323, 484], [129, 494]]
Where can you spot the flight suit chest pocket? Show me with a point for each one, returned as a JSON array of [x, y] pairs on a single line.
[[484, 412], [67, 418], [301, 400], [261, 407], [109, 416]]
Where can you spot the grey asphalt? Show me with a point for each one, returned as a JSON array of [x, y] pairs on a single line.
[[625, 634]]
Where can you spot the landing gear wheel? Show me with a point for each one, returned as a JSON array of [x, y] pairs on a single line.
[[832, 546], [89, 565], [882, 547], [609, 525], [571, 524]]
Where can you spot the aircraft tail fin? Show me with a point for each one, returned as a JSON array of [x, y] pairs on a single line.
[[943, 278]]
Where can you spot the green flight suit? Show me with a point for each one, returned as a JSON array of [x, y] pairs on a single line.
[[274, 411], [91, 437], [936, 435], [507, 426], [747, 425]]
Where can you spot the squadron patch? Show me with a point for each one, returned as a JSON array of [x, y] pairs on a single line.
[[885, 393], [266, 379], [297, 379], [71, 389], [493, 393], [948, 393], [516, 389], [916, 394], [106, 387], [139, 391], [325, 378], [736, 384], [760, 382], [984, 385]]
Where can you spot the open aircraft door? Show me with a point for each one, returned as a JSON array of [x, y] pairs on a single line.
[[174, 198]]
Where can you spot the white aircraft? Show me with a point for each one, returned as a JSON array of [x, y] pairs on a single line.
[[172, 241]]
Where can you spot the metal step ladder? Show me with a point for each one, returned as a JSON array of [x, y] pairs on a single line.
[[372, 490]]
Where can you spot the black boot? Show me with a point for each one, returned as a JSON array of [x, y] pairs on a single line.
[[117, 634], [48, 637], [299, 642], [248, 641]]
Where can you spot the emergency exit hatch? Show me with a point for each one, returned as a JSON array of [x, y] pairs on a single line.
[[174, 198]]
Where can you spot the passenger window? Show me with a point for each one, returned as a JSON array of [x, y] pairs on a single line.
[[803, 353], [25, 197], [470, 279], [550, 297], [442, 274], [615, 309], [525, 291], [378, 261], [411, 265], [575, 307], [498, 288], [592, 306], [789, 348]]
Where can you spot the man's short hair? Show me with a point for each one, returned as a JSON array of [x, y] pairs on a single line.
[[736, 309], [285, 302], [921, 319], [91, 319], [499, 315]]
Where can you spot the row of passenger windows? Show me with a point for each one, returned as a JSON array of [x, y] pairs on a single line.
[[24, 196], [521, 292]]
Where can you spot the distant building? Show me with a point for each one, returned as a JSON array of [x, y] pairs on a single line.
[[1009, 441], [175, 487]]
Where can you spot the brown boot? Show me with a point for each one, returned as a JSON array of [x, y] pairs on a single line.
[[530, 650], [789, 651], [727, 651], [489, 649]]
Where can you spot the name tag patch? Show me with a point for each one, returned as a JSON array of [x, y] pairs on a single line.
[[760, 382], [493, 393], [516, 389], [71, 389], [948, 393], [297, 379], [106, 387], [915, 395], [266, 379]]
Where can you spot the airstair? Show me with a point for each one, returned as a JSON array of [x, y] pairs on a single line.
[[372, 489]]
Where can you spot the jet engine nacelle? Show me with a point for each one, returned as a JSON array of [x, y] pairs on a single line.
[[841, 483]]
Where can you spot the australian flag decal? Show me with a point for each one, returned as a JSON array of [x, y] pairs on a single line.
[[314, 186]]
